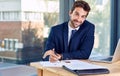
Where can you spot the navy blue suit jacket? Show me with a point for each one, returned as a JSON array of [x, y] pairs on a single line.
[[81, 44]]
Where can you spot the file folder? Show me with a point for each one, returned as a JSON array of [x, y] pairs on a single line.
[[87, 71]]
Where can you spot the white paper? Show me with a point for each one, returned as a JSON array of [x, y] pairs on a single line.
[[55, 64], [50, 64], [80, 65], [71, 64]]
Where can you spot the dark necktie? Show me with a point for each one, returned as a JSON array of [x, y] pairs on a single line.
[[73, 32], [71, 37]]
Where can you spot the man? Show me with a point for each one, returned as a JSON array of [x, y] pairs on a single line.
[[61, 45]]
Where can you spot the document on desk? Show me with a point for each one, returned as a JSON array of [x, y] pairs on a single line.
[[51, 64], [72, 64], [57, 63], [80, 65], [82, 68], [76, 66]]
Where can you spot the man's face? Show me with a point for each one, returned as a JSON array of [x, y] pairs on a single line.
[[77, 17]]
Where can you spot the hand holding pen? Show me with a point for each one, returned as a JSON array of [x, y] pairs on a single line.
[[53, 56]]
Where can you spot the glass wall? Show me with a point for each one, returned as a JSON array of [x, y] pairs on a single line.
[[51, 16], [24, 28], [100, 16]]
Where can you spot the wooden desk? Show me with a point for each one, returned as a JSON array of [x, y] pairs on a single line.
[[45, 71]]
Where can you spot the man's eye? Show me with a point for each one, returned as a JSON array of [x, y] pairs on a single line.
[[77, 14], [83, 16]]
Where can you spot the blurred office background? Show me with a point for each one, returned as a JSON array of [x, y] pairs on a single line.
[[25, 26]]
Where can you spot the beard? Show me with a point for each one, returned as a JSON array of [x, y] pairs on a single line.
[[75, 23]]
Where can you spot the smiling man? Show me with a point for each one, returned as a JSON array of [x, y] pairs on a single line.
[[73, 39]]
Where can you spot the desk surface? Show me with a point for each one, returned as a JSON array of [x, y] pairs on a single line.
[[45, 71]]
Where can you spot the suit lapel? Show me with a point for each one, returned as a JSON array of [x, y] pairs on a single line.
[[65, 35]]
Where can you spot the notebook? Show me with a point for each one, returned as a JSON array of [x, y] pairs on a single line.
[[110, 59]]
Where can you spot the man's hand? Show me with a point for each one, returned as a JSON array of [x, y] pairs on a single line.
[[53, 55], [49, 52]]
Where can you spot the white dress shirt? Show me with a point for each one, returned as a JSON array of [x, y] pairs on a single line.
[[70, 31]]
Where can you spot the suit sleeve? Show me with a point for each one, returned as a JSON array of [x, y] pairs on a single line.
[[49, 43]]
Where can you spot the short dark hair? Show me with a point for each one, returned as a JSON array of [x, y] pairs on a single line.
[[82, 4]]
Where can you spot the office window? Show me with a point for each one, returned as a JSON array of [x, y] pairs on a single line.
[[99, 2], [26, 22], [100, 16], [10, 16], [0, 16], [32, 16], [51, 15]]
